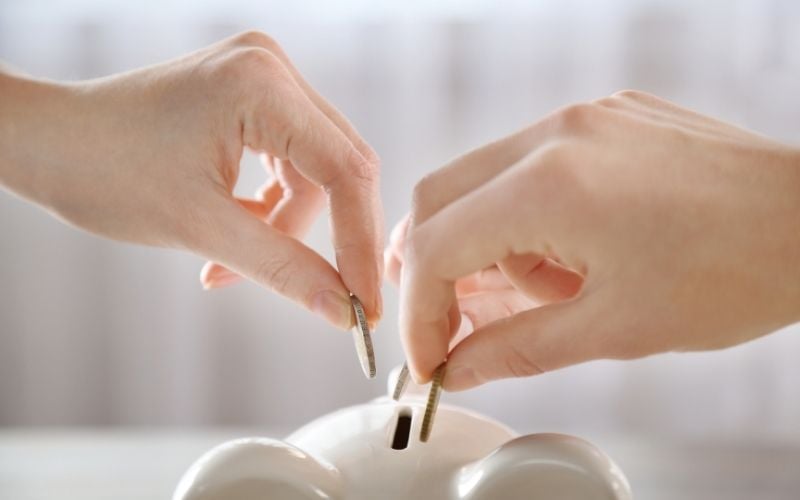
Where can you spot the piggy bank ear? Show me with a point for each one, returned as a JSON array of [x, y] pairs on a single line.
[[258, 469], [544, 467]]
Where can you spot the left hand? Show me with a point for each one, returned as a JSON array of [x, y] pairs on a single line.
[[152, 156]]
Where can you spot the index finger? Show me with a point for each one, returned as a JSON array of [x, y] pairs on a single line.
[[486, 225], [465, 236], [288, 125]]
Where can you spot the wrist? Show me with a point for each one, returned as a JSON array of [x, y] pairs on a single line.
[[31, 113], [791, 229], [795, 165]]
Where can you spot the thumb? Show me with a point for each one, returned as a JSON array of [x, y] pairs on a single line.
[[529, 343], [246, 245]]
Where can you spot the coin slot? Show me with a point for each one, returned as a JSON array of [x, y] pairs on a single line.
[[402, 430]]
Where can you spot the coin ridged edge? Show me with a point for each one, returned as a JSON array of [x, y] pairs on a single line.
[[402, 383], [432, 404], [363, 330]]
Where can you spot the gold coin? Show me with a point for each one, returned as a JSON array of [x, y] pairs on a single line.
[[402, 382], [433, 403], [363, 339]]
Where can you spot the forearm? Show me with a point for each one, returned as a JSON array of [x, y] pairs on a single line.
[[794, 231], [778, 231], [32, 134]]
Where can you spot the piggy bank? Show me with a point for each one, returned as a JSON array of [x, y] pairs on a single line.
[[372, 451]]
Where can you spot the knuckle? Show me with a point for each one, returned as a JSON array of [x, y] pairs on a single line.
[[641, 98], [414, 250], [577, 118], [276, 273], [357, 175], [242, 69], [555, 167], [288, 129], [365, 167], [371, 157], [255, 38], [633, 95], [246, 66], [423, 198], [612, 101], [518, 363], [253, 58], [558, 178]]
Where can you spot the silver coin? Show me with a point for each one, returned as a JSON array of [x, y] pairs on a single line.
[[433, 404], [402, 383], [363, 339]]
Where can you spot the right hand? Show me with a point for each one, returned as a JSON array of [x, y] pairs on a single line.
[[643, 227]]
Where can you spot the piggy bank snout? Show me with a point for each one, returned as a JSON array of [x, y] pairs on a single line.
[[250, 468], [544, 467]]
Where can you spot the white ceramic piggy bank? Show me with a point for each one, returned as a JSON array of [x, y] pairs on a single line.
[[373, 452]]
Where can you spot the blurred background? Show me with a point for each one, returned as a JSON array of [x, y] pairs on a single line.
[[96, 333]]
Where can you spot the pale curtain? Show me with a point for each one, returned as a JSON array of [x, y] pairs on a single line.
[[95, 332]]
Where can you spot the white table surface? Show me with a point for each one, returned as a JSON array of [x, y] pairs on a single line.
[[142, 464]]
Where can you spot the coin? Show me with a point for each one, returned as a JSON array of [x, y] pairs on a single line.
[[433, 403], [402, 382], [363, 339]]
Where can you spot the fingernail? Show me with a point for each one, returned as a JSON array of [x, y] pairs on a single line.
[[333, 307], [460, 377], [220, 281], [215, 276]]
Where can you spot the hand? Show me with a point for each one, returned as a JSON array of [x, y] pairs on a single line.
[[681, 232], [487, 295], [152, 156]]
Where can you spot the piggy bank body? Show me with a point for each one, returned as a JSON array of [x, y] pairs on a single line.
[[373, 451]]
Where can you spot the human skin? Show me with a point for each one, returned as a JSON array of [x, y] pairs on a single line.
[[152, 157], [613, 229]]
